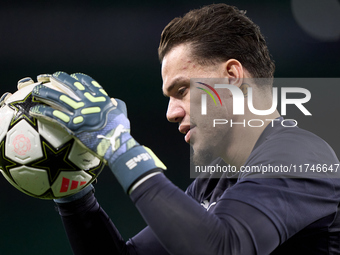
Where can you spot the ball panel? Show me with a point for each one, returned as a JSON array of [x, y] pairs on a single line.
[[6, 115], [33, 180], [12, 182], [69, 183], [82, 158], [23, 143], [53, 133]]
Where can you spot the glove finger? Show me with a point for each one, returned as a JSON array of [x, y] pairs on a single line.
[[85, 79], [4, 97], [48, 113], [90, 83], [24, 82], [43, 78], [55, 98], [68, 84]]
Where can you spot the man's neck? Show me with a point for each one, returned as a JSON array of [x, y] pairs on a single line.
[[244, 138]]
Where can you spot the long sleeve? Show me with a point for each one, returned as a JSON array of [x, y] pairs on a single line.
[[177, 225], [91, 231], [185, 227]]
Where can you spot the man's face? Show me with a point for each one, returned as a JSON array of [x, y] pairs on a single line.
[[178, 67]]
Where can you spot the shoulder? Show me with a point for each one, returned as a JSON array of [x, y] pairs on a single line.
[[293, 145]]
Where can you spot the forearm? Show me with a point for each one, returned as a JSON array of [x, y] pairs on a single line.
[[185, 227], [90, 230]]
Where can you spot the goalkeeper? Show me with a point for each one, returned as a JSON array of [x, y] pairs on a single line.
[[239, 215]]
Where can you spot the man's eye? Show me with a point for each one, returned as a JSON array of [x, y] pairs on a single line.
[[182, 91]]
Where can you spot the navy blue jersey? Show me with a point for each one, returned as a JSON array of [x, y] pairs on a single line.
[[251, 212]]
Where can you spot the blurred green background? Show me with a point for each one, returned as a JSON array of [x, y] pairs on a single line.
[[116, 43]]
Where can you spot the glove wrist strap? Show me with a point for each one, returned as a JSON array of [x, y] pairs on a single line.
[[133, 165]]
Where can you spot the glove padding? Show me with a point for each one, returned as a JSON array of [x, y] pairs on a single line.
[[88, 114], [100, 123]]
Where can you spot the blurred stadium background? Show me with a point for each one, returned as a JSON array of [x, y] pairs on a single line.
[[116, 43]]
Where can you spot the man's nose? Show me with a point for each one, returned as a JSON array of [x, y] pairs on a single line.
[[175, 112]]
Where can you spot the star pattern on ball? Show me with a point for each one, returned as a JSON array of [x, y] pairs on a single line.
[[96, 171], [22, 108], [55, 161]]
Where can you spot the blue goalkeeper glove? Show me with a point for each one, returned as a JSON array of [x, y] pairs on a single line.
[[100, 123]]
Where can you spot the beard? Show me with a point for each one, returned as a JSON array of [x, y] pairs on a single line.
[[202, 156], [205, 148]]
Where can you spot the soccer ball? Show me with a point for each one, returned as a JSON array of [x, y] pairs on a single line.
[[38, 157]]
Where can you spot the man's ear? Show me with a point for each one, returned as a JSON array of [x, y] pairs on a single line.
[[234, 71]]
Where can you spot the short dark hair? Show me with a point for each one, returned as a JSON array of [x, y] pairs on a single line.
[[219, 32]]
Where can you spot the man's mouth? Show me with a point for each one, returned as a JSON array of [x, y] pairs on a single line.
[[187, 130], [187, 136]]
